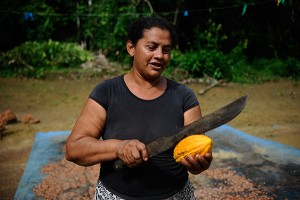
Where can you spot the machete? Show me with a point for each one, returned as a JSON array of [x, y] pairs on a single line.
[[202, 125]]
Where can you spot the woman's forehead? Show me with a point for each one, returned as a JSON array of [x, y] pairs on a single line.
[[156, 33]]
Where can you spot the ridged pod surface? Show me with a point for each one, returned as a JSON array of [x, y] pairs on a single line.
[[191, 145]]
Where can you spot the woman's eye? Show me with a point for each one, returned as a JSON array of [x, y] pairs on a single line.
[[167, 51], [152, 48]]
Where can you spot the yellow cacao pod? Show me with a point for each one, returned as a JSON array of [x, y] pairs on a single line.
[[191, 145]]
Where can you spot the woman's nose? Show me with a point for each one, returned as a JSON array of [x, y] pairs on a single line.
[[158, 53]]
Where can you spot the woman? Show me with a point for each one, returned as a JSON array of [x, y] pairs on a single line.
[[132, 110]]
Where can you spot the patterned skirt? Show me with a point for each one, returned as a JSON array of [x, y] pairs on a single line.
[[186, 193]]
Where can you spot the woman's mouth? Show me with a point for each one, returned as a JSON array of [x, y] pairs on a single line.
[[156, 66]]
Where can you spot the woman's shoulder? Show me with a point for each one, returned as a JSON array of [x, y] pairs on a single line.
[[116, 79], [106, 85], [110, 81], [177, 86]]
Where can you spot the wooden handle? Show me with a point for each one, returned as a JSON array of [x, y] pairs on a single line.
[[119, 165]]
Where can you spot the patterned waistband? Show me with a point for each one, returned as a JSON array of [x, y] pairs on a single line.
[[186, 193]]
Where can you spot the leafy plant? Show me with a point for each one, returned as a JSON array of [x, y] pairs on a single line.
[[40, 24], [32, 59], [261, 70], [292, 68], [206, 57]]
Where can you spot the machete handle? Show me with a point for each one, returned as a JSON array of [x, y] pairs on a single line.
[[119, 165]]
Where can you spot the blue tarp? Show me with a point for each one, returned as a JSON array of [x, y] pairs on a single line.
[[277, 165], [46, 149], [241, 141]]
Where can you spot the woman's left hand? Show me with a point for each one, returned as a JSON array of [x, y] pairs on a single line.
[[197, 164]]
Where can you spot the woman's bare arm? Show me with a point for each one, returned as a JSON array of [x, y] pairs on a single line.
[[192, 115], [85, 148]]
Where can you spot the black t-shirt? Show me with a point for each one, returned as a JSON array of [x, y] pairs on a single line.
[[129, 117]]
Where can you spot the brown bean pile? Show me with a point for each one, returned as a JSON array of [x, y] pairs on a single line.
[[65, 180], [226, 184]]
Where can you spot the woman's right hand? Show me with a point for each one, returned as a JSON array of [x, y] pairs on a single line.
[[132, 152]]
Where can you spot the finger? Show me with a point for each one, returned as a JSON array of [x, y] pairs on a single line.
[[136, 154], [202, 162], [143, 151], [192, 165], [193, 162], [208, 157], [184, 162], [130, 161]]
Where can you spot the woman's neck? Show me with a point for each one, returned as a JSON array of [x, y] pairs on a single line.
[[140, 81], [145, 89]]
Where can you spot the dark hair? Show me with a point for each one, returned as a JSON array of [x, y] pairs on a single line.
[[137, 28]]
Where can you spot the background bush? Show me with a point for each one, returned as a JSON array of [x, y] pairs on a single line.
[[32, 59], [239, 40]]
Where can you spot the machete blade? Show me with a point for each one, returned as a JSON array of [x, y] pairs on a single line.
[[202, 125]]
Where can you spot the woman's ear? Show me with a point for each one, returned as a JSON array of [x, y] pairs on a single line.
[[130, 48]]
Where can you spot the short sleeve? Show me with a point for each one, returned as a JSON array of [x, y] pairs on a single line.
[[189, 99], [100, 94]]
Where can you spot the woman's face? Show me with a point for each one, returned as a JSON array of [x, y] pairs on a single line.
[[151, 53]]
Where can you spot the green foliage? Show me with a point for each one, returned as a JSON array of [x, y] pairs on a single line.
[[42, 24], [32, 59], [109, 32], [261, 70], [206, 57], [292, 68], [215, 48], [199, 63], [279, 68], [210, 38]]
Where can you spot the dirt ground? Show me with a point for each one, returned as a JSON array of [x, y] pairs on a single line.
[[272, 112]]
